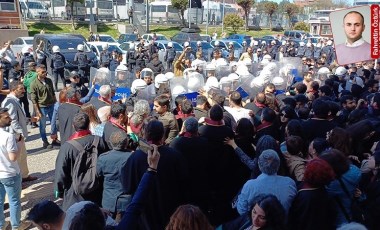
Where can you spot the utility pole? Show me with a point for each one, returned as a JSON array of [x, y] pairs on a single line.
[[147, 16], [208, 15], [92, 21], [189, 14], [52, 8], [224, 1]]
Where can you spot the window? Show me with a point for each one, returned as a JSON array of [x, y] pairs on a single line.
[[326, 30], [35, 5], [58, 3], [18, 41], [172, 10], [7, 5], [158, 8], [105, 5]]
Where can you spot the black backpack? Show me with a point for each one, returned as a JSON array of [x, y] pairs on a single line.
[[83, 173], [171, 54], [58, 62], [82, 60]]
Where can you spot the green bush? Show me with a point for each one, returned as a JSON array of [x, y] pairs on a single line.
[[302, 26], [233, 21]]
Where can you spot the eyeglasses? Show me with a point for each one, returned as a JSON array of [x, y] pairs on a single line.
[[75, 77]]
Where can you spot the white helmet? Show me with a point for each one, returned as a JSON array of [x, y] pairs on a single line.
[[160, 79], [267, 57], [138, 84], [105, 46], [231, 43], [56, 49], [319, 45], [283, 43], [216, 43], [186, 44], [278, 81], [324, 70], [273, 42], [121, 67], [132, 46], [25, 50], [302, 43], [199, 43], [146, 72], [178, 90], [308, 44], [256, 43], [170, 44], [263, 42], [244, 42], [233, 77], [329, 42], [195, 82], [340, 71], [212, 83], [80, 47], [169, 75], [242, 70], [210, 66]]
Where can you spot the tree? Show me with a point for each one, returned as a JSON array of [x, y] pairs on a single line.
[[246, 5], [302, 26], [291, 9], [71, 4], [181, 5], [270, 8], [233, 21]]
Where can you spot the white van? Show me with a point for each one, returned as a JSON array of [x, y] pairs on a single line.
[[34, 9]]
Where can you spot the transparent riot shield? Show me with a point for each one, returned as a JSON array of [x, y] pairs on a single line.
[[123, 78], [222, 71], [178, 86], [195, 82]]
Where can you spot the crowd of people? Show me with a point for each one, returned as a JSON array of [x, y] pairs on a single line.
[[296, 153]]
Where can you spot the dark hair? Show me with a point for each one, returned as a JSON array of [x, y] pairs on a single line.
[[274, 211], [235, 97], [163, 100], [294, 128], [343, 99], [188, 217], [334, 108], [71, 92], [340, 139], [360, 130], [372, 82], [201, 100], [154, 131], [354, 12], [260, 98], [219, 99], [45, 212], [81, 121], [3, 110], [178, 100], [314, 85], [303, 113], [119, 140], [89, 217], [318, 173], [13, 85], [187, 107], [320, 145], [326, 90], [321, 108], [245, 128], [268, 115], [301, 88], [216, 113], [266, 142], [295, 145], [329, 82], [117, 109], [144, 124], [337, 160], [301, 98]]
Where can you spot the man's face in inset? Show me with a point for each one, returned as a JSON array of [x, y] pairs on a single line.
[[353, 27]]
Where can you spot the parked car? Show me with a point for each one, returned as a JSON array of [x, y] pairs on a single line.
[[223, 44], [68, 46], [96, 47], [239, 38], [296, 34], [162, 46], [206, 37], [183, 37], [127, 38], [206, 49], [125, 46], [106, 38], [20, 43], [269, 38], [148, 37]]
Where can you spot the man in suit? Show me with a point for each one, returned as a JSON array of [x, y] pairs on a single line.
[[18, 125]]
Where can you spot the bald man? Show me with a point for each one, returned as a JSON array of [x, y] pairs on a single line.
[[355, 48]]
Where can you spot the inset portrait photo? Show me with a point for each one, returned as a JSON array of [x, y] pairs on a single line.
[[352, 34]]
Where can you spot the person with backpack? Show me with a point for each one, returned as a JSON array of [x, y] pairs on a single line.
[[105, 56], [170, 56], [58, 67], [75, 175], [40, 54], [26, 58], [82, 61]]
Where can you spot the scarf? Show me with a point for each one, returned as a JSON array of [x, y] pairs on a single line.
[[80, 134]]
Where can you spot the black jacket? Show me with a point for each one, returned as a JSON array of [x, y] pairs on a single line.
[[156, 66]]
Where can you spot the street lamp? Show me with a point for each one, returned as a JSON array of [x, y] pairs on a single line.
[[223, 16]]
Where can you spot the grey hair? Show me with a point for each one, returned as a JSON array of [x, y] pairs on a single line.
[[269, 162], [140, 110], [352, 226], [105, 90], [119, 140]]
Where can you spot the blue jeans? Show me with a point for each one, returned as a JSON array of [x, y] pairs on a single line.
[[12, 187], [54, 128], [49, 112]]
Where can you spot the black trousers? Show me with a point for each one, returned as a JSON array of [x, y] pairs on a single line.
[[24, 101], [59, 73]]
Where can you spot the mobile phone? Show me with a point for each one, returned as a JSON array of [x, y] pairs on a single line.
[[144, 146]]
